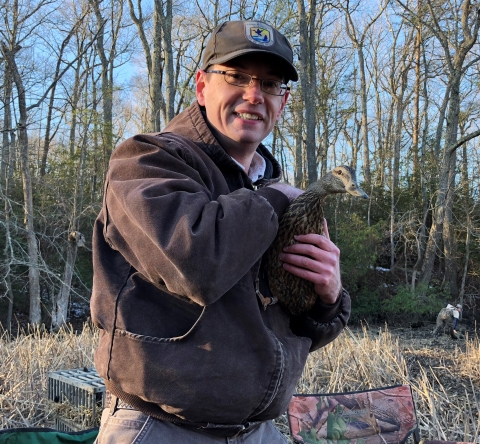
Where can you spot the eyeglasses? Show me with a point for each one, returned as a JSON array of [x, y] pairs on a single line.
[[237, 78]]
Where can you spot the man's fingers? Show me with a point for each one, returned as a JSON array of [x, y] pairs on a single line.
[[311, 241], [315, 257], [325, 229], [301, 261]]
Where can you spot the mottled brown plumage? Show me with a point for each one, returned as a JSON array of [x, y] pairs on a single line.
[[305, 215]]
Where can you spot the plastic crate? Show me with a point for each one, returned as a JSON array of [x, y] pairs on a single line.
[[83, 390], [64, 425]]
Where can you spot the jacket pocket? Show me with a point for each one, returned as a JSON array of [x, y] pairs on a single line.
[[219, 370]]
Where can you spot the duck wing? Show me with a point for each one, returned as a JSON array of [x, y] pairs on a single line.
[[304, 215]]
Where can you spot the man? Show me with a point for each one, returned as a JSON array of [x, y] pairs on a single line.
[[192, 347], [448, 316]]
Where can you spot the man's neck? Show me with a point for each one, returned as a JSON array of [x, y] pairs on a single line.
[[257, 167], [242, 158], [243, 153]]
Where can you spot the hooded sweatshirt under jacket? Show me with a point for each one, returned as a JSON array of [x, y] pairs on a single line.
[[177, 248]]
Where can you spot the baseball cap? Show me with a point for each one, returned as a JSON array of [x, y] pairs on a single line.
[[459, 306], [238, 37]]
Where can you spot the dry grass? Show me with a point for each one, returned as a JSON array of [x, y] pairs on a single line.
[[25, 362], [446, 394], [471, 359]]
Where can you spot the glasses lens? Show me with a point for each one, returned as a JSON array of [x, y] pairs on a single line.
[[237, 78], [272, 87]]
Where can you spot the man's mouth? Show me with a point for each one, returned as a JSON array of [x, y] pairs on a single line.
[[248, 116]]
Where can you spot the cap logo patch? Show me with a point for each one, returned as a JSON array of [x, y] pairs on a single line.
[[261, 35]]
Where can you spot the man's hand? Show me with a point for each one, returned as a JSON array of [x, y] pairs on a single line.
[[317, 259], [288, 190]]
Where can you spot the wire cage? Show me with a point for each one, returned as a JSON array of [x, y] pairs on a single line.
[[81, 395]]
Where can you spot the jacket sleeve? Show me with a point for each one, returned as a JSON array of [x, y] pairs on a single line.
[[169, 212], [323, 323]]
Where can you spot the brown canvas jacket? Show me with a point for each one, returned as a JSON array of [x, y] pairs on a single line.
[[184, 338]]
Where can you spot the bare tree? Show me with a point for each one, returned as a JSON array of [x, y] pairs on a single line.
[[357, 38], [307, 24], [49, 132], [163, 8], [77, 147], [159, 58], [398, 89], [455, 53], [20, 25], [16, 21], [8, 146], [107, 47], [33, 270]]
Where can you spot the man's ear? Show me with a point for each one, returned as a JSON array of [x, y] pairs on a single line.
[[200, 80], [282, 107]]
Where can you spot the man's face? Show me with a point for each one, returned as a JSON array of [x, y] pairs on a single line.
[[244, 115]]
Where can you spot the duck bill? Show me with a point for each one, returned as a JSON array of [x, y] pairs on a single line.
[[359, 193]]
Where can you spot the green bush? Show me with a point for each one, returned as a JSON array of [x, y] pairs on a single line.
[[359, 246], [418, 302], [378, 296], [366, 305]]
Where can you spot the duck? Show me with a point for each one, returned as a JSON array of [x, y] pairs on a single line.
[[304, 215]]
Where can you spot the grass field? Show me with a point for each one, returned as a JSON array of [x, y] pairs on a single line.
[[444, 374]]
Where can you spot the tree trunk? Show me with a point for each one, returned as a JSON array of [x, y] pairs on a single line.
[[74, 105], [307, 80], [416, 107], [7, 148], [364, 101], [166, 18], [467, 259], [156, 72], [422, 232], [106, 75], [297, 118], [32, 247], [75, 240], [4, 184], [154, 62], [449, 244]]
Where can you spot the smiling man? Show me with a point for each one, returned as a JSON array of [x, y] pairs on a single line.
[[243, 115], [193, 348]]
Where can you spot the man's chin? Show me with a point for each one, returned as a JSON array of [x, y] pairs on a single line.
[[250, 138]]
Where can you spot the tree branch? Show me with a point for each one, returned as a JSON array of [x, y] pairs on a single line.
[[463, 140]]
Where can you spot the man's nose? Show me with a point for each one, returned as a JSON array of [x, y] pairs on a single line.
[[253, 93]]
